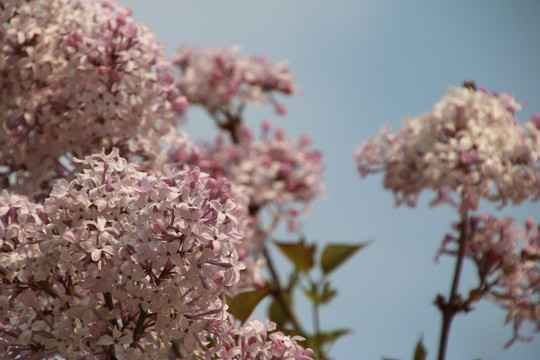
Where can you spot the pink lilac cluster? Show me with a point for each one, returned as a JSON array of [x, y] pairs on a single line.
[[220, 80], [119, 263], [274, 172], [254, 343], [78, 76], [470, 144], [507, 259]]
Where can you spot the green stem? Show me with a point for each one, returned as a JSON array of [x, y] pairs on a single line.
[[277, 293], [317, 328], [139, 327]]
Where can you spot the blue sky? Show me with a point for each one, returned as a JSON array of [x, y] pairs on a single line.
[[361, 64]]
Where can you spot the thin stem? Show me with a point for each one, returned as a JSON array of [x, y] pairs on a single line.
[[108, 300], [454, 305], [233, 123], [317, 328], [139, 327], [277, 292]]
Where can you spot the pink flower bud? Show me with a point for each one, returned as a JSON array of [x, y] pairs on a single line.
[[225, 186], [280, 109], [280, 133], [103, 70], [529, 223], [180, 104], [305, 140], [266, 126], [535, 119], [121, 20], [293, 225], [211, 183], [467, 156], [193, 174], [245, 134], [225, 197], [74, 39], [166, 77]]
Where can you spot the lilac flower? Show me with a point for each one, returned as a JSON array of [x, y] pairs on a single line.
[[508, 267], [220, 80], [78, 76], [469, 145]]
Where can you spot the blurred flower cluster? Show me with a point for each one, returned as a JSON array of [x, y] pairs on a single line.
[[507, 259], [468, 148], [469, 144], [220, 80]]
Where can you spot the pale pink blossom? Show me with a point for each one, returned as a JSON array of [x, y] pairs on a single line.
[[470, 144], [221, 81], [507, 260], [78, 76]]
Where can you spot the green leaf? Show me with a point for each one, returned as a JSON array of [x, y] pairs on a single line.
[[293, 281], [277, 315], [325, 338], [327, 294], [312, 295], [300, 254], [336, 254], [318, 296], [420, 352], [244, 303]]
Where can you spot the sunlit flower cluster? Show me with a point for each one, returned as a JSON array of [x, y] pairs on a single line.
[[255, 343], [124, 258], [507, 259], [470, 144], [219, 79], [77, 76], [119, 263]]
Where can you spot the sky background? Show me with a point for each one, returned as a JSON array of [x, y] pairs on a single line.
[[360, 65]]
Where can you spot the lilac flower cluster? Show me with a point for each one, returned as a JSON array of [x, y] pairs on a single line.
[[220, 80], [273, 171], [77, 76], [253, 343], [469, 144], [122, 263], [471, 147], [507, 259], [116, 254]]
